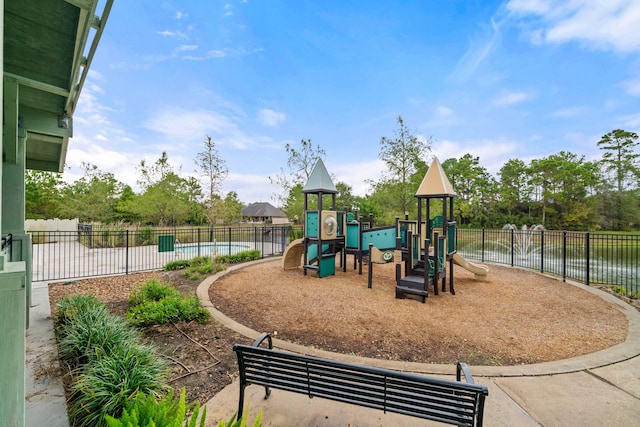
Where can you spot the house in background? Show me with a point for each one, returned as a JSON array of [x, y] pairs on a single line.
[[46, 48], [263, 212]]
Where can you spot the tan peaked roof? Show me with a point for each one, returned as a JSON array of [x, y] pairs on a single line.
[[435, 182]]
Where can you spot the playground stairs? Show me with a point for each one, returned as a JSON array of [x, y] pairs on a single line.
[[412, 285]]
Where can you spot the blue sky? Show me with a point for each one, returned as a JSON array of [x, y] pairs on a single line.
[[496, 79]]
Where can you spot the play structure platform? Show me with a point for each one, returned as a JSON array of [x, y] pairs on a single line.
[[426, 246]]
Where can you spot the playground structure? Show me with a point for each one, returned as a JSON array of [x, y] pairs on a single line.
[[324, 228], [424, 247]]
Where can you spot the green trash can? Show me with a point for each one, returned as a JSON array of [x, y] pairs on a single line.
[[166, 243]]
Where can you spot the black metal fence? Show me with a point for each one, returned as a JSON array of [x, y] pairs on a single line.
[[92, 251], [611, 259]]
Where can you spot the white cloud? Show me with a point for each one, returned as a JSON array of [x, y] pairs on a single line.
[[631, 122], [271, 118], [442, 111], [510, 98], [480, 48], [179, 126], [606, 25], [169, 33], [568, 112], [216, 53], [221, 53], [632, 86], [356, 174], [180, 15], [122, 164], [186, 47], [492, 153], [441, 117], [249, 187]]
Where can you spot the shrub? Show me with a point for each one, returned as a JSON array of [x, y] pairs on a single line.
[[202, 266], [239, 257], [70, 307], [145, 410], [153, 290], [156, 303], [105, 385], [170, 309], [176, 265], [621, 290], [92, 334], [112, 363]]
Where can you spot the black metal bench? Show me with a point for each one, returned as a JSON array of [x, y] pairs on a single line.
[[452, 402]]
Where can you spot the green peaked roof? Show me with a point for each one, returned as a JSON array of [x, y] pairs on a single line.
[[319, 181], [435, 182]]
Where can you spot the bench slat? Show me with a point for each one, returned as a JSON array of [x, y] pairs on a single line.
[[452, 402]]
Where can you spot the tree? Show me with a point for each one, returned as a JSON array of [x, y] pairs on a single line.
[[475, 189], [345, 200], [167, 199], [94, 197], [150, 175], [293, 204], [402, 156], [514, 188], [231, 208], [124, 210], [563, 182], [621, 160], [214, 171], [300, 163], [42, 194]]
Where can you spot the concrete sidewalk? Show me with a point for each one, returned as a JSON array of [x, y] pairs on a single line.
[[598, 389], [45, 400]]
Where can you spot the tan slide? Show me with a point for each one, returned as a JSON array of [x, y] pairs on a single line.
[[292, 257], [479, 270]]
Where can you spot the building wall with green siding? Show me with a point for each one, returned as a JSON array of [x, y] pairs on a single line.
[[13, 287]]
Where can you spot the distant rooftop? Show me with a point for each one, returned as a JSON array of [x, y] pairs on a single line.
[[262, 209]]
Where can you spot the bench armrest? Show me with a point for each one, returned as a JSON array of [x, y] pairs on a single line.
[[261, 338], [462, 368]]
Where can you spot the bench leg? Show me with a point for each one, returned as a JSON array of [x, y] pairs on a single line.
[[241, 402], [267, 393]]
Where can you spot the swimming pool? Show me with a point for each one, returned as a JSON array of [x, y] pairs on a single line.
[[211, 249]]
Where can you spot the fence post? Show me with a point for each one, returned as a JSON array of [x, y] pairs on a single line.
[[255, 237], [541, 251], [482, 245], [564, 255], [587, 255], [126, 253], [513, 236]]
